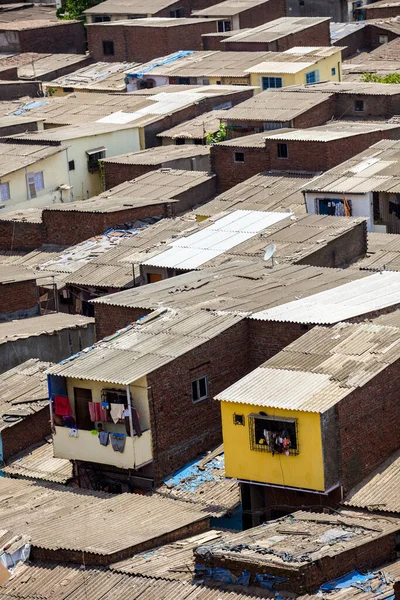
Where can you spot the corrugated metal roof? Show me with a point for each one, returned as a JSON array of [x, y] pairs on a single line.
[[228, 8], [223, 235], [349, 300], [276, 29], [44, 512], [319, 369], [39, 463], [161, 155], [196, 128], [98, 76], [23, 391], [140, 349], [43, 325], [380, 490]]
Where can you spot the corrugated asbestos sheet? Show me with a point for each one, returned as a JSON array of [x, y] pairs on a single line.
[[319, 369], [90, 522], [43, 325], [39, 463], [171, 562], [139, 349], [237, 287], [381, 490], [53, 582], [373, 293], [23, 391]]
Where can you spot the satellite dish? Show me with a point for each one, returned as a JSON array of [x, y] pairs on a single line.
[[269, 253]]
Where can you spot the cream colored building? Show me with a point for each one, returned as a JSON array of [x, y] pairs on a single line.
[[297, 66], [32, 176], [87, 145]]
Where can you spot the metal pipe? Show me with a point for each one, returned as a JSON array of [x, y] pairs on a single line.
[[128, 395], [50, 402]]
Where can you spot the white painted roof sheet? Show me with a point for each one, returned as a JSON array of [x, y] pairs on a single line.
[[277, 388], [344, 302], [235, 228], [280, 67]]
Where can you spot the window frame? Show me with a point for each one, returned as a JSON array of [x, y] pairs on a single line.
[[104, 42], [235, 154], [271, 87], [255, 446], [93, 162], [279, 147], [197, 383], [360, 103], [71, 165], [34, 193], [315, 79], [333, 71], [7, 187], [386, 40]]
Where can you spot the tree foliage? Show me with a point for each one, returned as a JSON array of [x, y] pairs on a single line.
[[374, 78], [73, 9], [217, 136]]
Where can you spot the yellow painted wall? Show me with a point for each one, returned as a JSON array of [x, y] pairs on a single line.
[[304, 470], [230, 80], [324, 65], [139, 398]]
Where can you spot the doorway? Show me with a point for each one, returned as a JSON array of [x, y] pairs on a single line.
[[82, 398]]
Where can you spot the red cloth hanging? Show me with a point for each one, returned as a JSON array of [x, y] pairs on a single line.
[[62, 406]]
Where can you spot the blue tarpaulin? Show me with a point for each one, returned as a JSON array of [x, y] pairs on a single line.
[[352, 579], [268, 581], [222, 575], [30, 106], [160, 63], [190, 477]]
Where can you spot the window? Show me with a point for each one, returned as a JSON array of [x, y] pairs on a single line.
[[179, 141], [102, 19], [238, 419], [4, 191], [224, 26], [71, 165], [238, 157], [35, 183], [312, 76], [334, 207], [282, 151], [93, 158], [275, 435], [359, 105], [68, 90], [108, 48], [271, 82], [383, 39], [178, 13], [198, 142], [199, 389], [333, 71]]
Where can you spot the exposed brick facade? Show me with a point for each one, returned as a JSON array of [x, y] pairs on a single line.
[[65, 37], [141, 44], [18, 296], [387, 12], [29, 431], [374, 106], [303, 155], [263, 13], [20, 235], [319, 34], [111, 318], [367, 430], [308, 578], [183, 430]]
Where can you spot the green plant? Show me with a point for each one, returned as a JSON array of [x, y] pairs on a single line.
[[73, 9], [374, 78], [216, 136]]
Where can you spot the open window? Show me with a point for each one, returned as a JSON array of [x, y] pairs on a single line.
[[93, 158], [4, 191], [333, 207], [276, 435], [199, 389], [35, 183], [114, 396]]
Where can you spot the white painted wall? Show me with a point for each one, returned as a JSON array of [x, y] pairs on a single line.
[[55, 173], [362, 205]]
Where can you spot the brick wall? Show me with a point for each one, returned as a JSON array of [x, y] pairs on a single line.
[[267, 338], [319, 35], [340, 252], [353, 43], [183, 430], [321, 156], [141, 44], [116, 173], [317, 115], [382, 13], [68, 38], [111, 318], [31, 430], [70, 227], [18, 296], [213, 42], [17, 235], [309, 578], [13, 90], [263, 13], [375, 106], [396, 588], [367, 430], [230, 173]]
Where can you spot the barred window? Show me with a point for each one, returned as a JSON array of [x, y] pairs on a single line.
[[276, 435]]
